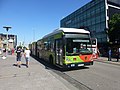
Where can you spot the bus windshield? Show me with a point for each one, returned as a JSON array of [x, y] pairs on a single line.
[[76, 46]]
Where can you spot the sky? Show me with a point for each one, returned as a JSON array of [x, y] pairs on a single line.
[[32, 19]]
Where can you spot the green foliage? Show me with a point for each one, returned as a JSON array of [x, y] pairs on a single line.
[[114, 28]]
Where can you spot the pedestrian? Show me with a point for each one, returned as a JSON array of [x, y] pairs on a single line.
[[12, 51], [98, 53], [27, 56], [109, 54], [4, 53], [118, 54], [19, 55]]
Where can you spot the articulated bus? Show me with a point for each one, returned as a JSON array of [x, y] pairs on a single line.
[[66, 47], [33, 48]]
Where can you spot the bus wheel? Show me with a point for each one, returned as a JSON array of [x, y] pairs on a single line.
[[38, 55], [51, 60]]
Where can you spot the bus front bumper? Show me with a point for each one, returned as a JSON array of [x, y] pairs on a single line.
[[72, 65]]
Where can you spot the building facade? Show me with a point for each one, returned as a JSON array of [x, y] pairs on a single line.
[[93, 16], [12, 41]]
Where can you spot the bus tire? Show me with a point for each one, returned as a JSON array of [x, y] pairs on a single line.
[[51, 60], [38, 55]]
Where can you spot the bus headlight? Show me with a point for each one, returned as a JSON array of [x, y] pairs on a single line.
[[68, 60], [91, 58]]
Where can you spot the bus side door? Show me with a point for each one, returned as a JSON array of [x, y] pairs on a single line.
[[59, 51]]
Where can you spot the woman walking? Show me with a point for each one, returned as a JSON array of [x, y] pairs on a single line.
[[27, 56]]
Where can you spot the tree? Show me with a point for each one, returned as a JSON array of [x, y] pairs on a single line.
[[114, 28]]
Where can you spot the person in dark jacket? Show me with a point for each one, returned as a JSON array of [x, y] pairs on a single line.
[[19, 55], [118, 54], [109, 54]]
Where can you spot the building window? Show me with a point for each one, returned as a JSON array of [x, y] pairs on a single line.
[[97, 19]]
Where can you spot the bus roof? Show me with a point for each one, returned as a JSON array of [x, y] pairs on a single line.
[[65, 30]]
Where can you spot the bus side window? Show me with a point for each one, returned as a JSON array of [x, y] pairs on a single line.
[[45, 45]]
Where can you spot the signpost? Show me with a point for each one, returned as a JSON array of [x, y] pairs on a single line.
[[7, 28]]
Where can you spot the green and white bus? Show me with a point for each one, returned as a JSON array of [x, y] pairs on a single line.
[[66, 47]]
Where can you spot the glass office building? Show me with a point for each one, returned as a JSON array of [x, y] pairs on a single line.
[[94, 17]]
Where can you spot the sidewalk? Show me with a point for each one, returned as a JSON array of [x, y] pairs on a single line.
[[105, 60], [36, 77]]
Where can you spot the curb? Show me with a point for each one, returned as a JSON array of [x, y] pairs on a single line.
[[104, 60]]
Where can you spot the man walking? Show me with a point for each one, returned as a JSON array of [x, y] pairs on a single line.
[[109, 54], [19, 55], [118, 54]]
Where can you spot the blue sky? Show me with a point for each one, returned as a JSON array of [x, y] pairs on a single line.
[[32, 19]]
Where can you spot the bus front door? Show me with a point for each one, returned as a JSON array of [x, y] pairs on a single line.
[[58, 51]]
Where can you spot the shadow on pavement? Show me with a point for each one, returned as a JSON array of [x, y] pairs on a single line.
[[21, 64], [15, 65]]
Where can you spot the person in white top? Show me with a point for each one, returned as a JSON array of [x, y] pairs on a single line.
[[27, 56]]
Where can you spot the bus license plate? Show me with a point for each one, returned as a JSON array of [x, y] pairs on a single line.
[[79, 65]]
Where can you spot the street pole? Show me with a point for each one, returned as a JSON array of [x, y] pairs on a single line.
[[7, 28]]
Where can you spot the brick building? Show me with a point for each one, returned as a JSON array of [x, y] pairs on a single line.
[[12, 41]]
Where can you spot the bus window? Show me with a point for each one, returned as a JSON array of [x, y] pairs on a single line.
[[78, 46]]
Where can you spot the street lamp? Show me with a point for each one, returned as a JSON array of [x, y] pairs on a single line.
[[7, 28]]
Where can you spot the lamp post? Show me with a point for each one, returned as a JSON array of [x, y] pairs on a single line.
[[7, 28]]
